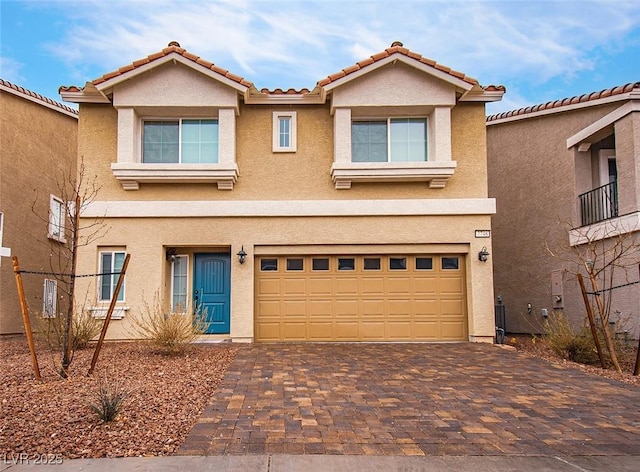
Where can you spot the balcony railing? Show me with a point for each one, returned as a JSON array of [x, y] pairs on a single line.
[[599, 204]]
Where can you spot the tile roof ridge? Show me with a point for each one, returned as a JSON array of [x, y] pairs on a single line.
[[396, 48], [37, 96], [172, 47], [586, 97]]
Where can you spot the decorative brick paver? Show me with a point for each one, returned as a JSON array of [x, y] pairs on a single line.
[[412, 399]]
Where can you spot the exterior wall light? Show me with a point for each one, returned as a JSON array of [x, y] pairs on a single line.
[[483, 255], [171, 254], [241, 255]]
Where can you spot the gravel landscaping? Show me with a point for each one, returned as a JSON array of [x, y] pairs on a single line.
[[53, 417]]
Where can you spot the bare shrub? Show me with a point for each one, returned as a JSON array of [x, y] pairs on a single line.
[[171, 332], [52, 329], [108, 399], [563, 340]]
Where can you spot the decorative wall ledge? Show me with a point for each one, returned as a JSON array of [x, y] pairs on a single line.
[[436, 173], [132, 175]]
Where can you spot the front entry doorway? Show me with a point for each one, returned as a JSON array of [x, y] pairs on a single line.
[[212, 290]]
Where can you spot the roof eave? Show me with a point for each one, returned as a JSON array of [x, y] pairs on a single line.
[[106, 86], [439, 74], [482, 96]]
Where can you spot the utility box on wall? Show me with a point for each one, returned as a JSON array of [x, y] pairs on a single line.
[[557, 294]]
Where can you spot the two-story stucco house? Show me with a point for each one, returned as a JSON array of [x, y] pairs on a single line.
[[343, 213], [566, 175], [38, 144]]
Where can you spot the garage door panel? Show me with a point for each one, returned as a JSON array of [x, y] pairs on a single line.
[[372, 286], [427, 329], [346, 308], [269, 309], [316, 308], [269, 287], [372, 307], [322, 303], [295, 286], [346, 286], [399, 330], [452, 285], [320, 331], [346, 330], [372, 330], [398, 285], [425, 285], [294, 308]]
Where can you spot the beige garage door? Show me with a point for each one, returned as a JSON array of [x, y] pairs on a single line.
[[360, 298]]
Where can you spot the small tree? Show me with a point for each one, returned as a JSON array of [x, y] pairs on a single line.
[[606, 254], [76, 191]]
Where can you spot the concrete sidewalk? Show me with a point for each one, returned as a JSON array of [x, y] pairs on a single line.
[[320, 463]]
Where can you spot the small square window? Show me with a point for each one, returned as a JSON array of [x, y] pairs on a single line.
[[320, 263], [56, 219], [346, 263], [295, 263], [424, 263], [397, 263], [284, 131], [450, 263], [268, 265], [371, 263]]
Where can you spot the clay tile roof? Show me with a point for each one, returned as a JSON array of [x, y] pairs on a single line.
[[396, 48], [173, 47], [587, 97], [37, 96]]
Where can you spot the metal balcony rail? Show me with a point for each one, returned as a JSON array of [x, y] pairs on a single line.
[[599, 204]]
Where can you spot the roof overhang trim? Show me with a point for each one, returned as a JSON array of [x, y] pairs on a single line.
[[603, 123], [444, 76]]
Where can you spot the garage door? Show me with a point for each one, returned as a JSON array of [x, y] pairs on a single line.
[[360, 298]]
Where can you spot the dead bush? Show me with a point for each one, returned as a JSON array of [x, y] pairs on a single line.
[[52, 329], [171, 332], [576, 346]]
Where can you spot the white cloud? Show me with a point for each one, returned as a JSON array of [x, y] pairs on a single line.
[[10, 70], [297, 43]]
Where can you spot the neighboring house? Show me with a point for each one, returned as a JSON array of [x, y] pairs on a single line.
[[38, 142], [356, 203], [565, 174]]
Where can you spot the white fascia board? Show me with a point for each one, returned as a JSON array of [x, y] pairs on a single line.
[[289, 208], [482, 96], [171, 57], [603, 122], [564, 108], [444, 76]]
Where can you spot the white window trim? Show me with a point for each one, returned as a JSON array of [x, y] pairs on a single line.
[[4, 251], [53, 200], [101, 270], [387, 120], [130, 171], [436, 171], [186, 258], [292, 115], [180, 122]]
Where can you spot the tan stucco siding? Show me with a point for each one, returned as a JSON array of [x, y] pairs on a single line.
[[303, 175], [394, 84], [38, 147], [535, 180], [146, 239], [174, 85]]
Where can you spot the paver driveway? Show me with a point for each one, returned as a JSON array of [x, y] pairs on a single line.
[[412, 399]]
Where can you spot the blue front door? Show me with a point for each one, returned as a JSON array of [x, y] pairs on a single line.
[[212, 283]]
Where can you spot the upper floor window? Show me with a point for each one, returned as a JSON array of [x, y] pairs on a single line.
[[391, 140], [180, 141], [284, 131], [56, 219]]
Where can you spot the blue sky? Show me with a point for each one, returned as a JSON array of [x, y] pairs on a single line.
[[540, 50]]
